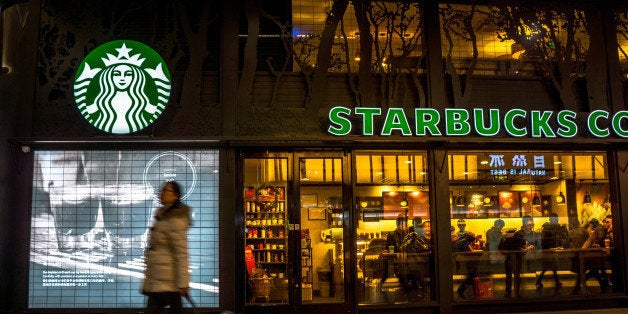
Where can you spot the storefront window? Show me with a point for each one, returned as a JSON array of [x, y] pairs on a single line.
[[322, 229], [507, 40], [393, 231], [90, 215], [531, 224], [394, 30], [266, 231], [621, 20]]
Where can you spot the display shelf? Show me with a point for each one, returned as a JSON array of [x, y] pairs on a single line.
[[306, 264], [266, 229]]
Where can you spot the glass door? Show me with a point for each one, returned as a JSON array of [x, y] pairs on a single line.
[[393, 231], [322, 228]]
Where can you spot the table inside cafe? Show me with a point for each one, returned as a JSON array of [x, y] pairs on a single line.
[[491, 263], [570, 262]]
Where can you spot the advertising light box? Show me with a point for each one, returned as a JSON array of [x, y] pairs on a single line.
[[91, 212]]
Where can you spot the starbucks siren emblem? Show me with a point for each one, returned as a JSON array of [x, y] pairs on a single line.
[[122, 86]]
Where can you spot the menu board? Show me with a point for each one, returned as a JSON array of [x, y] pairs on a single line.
[[410, 204]]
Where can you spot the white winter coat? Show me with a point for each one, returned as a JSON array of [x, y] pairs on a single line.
[[166, 257]]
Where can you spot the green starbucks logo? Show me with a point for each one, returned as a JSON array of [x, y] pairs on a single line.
[[122, 86]]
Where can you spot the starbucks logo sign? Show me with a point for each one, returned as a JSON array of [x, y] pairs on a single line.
[[122, 86]]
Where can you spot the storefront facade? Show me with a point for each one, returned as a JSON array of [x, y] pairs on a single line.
[[385, 184]]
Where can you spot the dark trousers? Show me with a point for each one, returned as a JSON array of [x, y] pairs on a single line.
[[513, 264], [159, 300], [548, 264]]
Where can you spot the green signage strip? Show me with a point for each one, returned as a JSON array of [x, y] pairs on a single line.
[[483, 122], [122, 86]]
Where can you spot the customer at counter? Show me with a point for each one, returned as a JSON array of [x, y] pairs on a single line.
[[395, 239], [416, 242], [417, 225], [463, 242], [602, 236], [415, 273], [514, 246], [578, 235], [553, 236], [494, 235]]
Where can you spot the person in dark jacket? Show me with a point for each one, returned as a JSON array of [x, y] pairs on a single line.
[[462, 242], [167, 274], [396, 238], [513, 246], [417, 226], [553, 236], [494, 235], [597, 238]]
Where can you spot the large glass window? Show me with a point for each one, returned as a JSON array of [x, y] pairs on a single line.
[[531, 224], [91, 211], [322, 230], [266, 230], [508, 40], [393, 231], [621, 20]]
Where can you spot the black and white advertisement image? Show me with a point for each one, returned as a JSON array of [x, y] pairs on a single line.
[[91, 213]]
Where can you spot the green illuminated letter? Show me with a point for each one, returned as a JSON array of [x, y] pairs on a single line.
[[367, 118], [396, 120], [568, 127], [509, 122], [617, 123], [478, 117], [592, 123], [457, 122], [340, 125], [540, 123], [426, 119]]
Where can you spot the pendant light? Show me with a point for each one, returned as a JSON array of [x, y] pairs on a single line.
[[536, 200], [404, 202], [560, 198], [587, 197]]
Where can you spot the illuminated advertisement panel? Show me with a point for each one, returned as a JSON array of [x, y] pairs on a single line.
[[91, 213]]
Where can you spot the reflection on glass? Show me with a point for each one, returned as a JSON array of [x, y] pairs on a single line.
[[394, 231], [75, 211], [322, 228], [522, 229], [126, 211]]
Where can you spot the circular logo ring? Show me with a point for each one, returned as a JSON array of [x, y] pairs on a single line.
[[182, 156], [122, 86]]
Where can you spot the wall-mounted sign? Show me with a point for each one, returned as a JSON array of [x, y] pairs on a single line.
[[483, 122], [122, 86]]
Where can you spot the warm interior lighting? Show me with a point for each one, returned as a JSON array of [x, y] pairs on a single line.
[[560, 198], [404, 202], [363, 204], [536, 200], [356, 58], [460, 201], [587, 198], [516, 50], [487, 200]]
